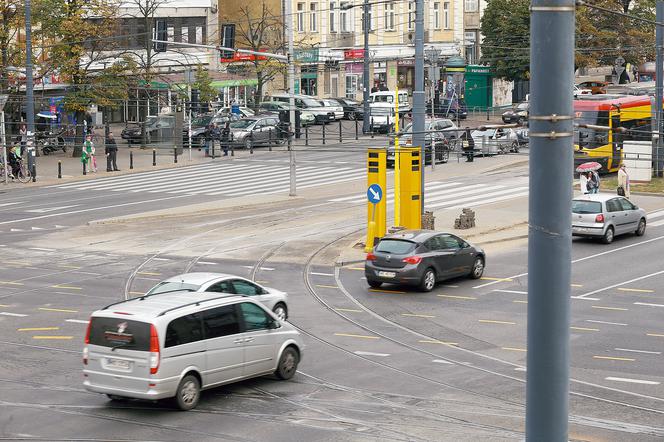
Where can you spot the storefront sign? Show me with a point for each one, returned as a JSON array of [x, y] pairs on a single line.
[[306, 55], [243, 57], [354, 68], [354, 54], [406, 62], [478, 69]]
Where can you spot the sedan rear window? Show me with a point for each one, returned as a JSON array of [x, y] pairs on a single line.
[[120, 333], [395, 246], [580, 206]]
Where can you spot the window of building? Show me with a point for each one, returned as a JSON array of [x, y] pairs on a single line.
[[411, 16], [436, 15], [471, 5], [369, 17], [199, 35], [389, 17], [300, 17], [344, 17], [171, 33], [333, 16], [446, 15], [185, 34], [313, 17]]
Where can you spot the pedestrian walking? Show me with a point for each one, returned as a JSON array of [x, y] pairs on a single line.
[[111, 154], [623, 181], [215, 135], [88, 154], [594, 176], [23, 132], [583, 183], [208, 139], [226, 137], [469, 145]]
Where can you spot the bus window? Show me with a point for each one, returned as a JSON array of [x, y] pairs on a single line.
[[587, 138]]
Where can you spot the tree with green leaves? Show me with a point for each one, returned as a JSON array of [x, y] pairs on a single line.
[[203, 83], [506, 29]]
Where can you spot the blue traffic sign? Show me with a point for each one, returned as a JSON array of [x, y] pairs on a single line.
[[374, 193]]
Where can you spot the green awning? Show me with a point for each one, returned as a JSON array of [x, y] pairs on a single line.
[[153, 84], [232, 83]]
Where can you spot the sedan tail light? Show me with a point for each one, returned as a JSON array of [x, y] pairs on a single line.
[[599, 218], [371, 257], [412, 259]]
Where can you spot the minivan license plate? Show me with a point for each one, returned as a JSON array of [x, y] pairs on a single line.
[[118, 364], [387, 274]]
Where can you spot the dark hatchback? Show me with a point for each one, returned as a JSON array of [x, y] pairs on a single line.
[[352, 109], [422, 258]]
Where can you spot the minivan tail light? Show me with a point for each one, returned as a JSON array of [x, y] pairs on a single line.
[[412, 259], [599, 218], [371, 257], [154, 350], [87, 331]]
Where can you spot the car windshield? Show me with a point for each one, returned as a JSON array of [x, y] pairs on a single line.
[[382, 99], [242, 124], [583, 206], [310, 102], [483, 133], [151, 121], [522, 106], [201, 121], [395, 246], [166, 286]]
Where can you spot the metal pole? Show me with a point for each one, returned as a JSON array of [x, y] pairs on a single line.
[[29, 96], [659, 83], [288, 24], [550, 205], [418, 91], [365, 79]]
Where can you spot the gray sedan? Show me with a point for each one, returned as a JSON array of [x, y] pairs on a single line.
[[422, 258], [605, 216]]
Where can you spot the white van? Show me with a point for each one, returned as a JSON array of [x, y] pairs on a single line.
[[305, 102], [173, 345], [382, 109]]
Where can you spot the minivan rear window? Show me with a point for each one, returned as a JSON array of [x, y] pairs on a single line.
[[395, 246], [120, 333], [581, 206]]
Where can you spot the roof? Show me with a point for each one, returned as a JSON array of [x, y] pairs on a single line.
[[199, 278], [412, 235], [609, 101], [599, 197], [150, 307]]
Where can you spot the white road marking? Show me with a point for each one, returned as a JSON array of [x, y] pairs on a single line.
[[442, 361], [585, 299], [488, 201], [650, 275], [39, 249], [370, 353], [16, 230], [632, 381], [208, 263], [36, 228], [321, 274], [656, 223], [648, 304], [18, 315], [450, 286], [160, 259], [655, 214], [604, 322], [520, 369], [517, 292], [51, 209], [269, 269], [639, 351], [11, 204], [76, 321], [585, 258]]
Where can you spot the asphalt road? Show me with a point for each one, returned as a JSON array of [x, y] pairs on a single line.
[[390, 364]]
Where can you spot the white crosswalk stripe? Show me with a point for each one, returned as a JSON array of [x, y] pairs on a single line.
[[453, 195], [228, 179]]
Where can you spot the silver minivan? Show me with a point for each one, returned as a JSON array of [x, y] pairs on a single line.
[[174, 345]]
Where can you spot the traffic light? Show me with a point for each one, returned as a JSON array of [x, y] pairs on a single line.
[[161, 34], [195, 101], [227, 41]]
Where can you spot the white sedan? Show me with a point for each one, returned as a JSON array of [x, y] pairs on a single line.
[[333, 107], [274, 299]]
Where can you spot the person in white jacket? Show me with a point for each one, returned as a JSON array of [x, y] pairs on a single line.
[[623, 180], [583, 183]]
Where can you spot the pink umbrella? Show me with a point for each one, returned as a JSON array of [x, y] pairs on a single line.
[[587, 167]]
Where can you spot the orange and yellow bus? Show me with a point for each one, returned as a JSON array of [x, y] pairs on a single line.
[[630, 112]]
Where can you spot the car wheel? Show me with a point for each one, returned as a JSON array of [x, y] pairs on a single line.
[[287, 363], [478, 268], [374, 284], [521, 120], [115, 397], [352, 116], [188, 393], [248, 144], [607, 238], [642, 227], [515, 147], [281, 311], [428, 281], [445, 156]]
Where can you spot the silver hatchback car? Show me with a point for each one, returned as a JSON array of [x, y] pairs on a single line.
[[174, 345], [274, 299], [605, 216]]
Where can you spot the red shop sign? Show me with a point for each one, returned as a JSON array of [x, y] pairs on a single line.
[[354, 54]]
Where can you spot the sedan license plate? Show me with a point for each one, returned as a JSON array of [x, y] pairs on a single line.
[[387, 274], [117, 364]]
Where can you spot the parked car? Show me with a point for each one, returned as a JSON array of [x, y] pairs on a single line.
[[422, 258], [352, 109], [439, 133], [157, 129], [606, 216], [244, 111], [174, 345], [596, 87], [518, 114], [306, 118], [580, 91], [274, 299], [200, 126], [256, 131], [388, 98], [492, 141], [333, 107], [446, 108], [305, 102]]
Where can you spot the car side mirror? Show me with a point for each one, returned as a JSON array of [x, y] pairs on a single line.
[[274, 325]]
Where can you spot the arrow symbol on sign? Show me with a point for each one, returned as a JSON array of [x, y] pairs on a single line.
[[375, 194]]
